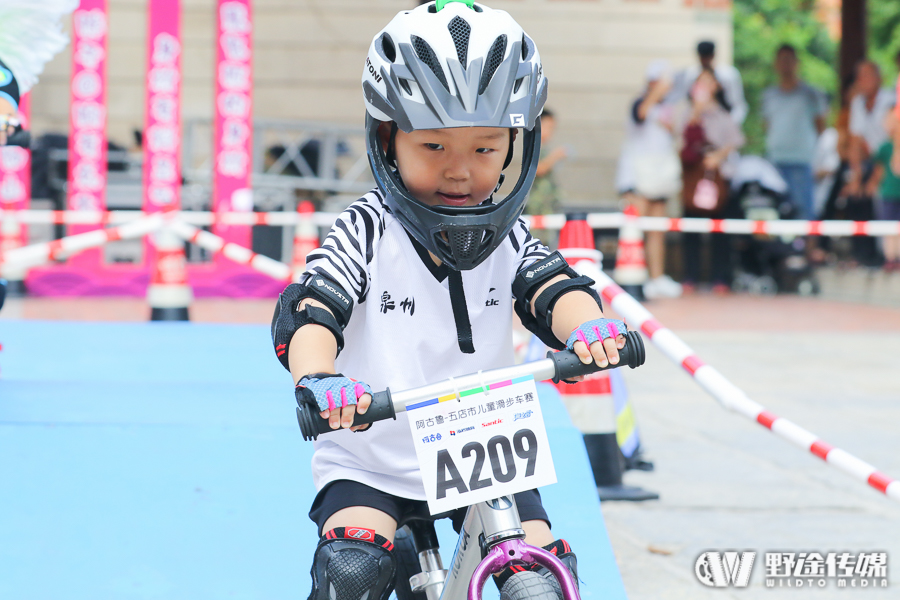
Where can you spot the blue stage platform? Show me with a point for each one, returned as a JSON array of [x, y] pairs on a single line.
[[164, 461]]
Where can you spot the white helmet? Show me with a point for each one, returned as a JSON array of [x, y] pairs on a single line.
[[454, 63]]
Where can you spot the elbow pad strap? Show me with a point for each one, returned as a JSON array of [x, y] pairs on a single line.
[[541, 324], [297, 319], [288, 317], [531, 278]]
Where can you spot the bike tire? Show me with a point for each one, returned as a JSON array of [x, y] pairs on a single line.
[[407, 562], [528, 585]]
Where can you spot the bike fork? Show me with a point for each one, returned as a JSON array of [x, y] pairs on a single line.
[[504, 540]]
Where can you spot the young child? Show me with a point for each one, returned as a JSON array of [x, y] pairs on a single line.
[[885, 180], [418, 279]]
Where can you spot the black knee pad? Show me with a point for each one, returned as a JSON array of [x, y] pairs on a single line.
[[353, 563]]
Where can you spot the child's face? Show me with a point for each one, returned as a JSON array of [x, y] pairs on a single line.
[[458, 166]]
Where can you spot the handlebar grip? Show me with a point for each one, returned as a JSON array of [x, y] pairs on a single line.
[[311, 424], [568, 364]]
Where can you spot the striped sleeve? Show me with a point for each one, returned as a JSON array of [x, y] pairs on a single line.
[[345, 254], [528, 249]]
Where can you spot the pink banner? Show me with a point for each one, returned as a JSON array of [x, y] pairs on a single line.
[[233, 116], [15, 168], [87, 138], [162, 131]]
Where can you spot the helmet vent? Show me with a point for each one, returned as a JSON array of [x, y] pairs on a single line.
[[427, 56], [387, 45], [524, 47], [465, 246], [495, 57], [460, 31]]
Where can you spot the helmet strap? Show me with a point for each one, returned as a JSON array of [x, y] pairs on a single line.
[[499, 183], [391, 154], [509, 153]]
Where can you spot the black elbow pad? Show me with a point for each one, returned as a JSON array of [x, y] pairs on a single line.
[[288, 317], [531, 279]]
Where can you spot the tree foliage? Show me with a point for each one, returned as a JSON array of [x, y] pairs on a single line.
[[760, 27], [884, 35]]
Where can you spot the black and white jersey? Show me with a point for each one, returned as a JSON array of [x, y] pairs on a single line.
[[402, 333]]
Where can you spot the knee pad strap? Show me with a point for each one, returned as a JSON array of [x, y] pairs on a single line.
[[353, 564]]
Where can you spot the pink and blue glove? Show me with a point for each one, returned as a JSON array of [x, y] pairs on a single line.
[[330, 390], [596, 330]]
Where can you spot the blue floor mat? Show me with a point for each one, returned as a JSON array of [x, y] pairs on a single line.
[[164, 461]]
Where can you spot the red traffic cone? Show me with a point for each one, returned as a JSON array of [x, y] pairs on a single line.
[[169, 294], [306, 237], [576, 241], [631, 266]]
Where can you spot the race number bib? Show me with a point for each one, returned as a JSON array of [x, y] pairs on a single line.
[[489, 444]]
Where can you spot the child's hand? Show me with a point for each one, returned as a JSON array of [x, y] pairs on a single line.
[[337, 397], [598, 341]]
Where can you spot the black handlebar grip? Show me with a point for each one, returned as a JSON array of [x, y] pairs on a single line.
[[568, 365], [311, 424]]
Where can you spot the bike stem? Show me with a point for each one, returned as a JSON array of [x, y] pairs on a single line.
[[514, 551]]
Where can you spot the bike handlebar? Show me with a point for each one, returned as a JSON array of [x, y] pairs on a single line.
[[557, 366]]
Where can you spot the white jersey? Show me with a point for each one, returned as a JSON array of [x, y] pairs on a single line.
[[402, 333]]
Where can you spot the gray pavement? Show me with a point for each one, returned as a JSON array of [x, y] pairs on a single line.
[[727, 483]]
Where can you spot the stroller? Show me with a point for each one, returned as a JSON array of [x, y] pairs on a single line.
[[768, 264]]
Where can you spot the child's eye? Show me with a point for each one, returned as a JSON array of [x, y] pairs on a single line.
[[434, 146], [485, 150]]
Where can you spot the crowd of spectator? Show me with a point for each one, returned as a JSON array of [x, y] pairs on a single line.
[[684, 139]]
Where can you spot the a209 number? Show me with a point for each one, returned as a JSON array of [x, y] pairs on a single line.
[[499, 452]]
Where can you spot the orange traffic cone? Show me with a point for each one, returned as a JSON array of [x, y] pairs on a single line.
[[169, 294], [590, 403], [306, 237], [631, 267]]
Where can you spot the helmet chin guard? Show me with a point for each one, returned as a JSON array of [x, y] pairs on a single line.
[[454, 64], [462, 237]]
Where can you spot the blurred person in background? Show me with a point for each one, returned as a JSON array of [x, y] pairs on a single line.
[[731, 87], [842, 147], [708, 161], [544, 198], [649, 171], [867, 133], [795, 115], [885, 182]]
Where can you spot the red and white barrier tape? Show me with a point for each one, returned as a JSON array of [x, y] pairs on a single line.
[[239, 254], [595, 220], [46, 252], [201, 218], [726, 392]]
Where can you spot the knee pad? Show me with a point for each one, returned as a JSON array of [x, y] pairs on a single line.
[[352, 563]]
